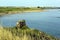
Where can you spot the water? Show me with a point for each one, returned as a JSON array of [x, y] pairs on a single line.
[[48, 21]]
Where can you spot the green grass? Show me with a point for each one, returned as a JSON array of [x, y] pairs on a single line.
[[7, 9]]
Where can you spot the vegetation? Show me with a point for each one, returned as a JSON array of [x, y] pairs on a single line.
[[13, 9], [7, 9], [23, 32], [13, 33]]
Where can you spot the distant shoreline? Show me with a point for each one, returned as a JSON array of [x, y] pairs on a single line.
[[15, 12]]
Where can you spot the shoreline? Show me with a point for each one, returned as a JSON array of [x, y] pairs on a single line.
[[16, 12]]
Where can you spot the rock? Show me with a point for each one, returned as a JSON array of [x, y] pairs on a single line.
[[21, 23]]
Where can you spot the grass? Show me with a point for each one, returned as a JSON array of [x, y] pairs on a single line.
[[11, 33], [8, 9]]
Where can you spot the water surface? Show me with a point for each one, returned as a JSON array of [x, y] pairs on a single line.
[[48, 21]]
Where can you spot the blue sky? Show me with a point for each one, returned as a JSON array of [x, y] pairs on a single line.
[[30, 3]]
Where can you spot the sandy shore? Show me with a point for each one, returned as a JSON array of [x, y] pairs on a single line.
[[15, 12]]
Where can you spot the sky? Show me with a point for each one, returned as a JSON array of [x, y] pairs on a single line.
[[48, 3]]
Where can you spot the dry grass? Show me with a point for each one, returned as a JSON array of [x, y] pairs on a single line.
[[25, 34]]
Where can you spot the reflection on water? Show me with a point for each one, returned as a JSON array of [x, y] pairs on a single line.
[[46, 21]]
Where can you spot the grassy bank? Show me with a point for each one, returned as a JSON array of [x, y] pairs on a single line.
[[23, 34], [13, 10]]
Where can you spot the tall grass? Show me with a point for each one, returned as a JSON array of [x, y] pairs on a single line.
[[23, 34]]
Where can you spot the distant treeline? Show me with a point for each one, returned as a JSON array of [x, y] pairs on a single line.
[[50, 7], [7, 9]]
